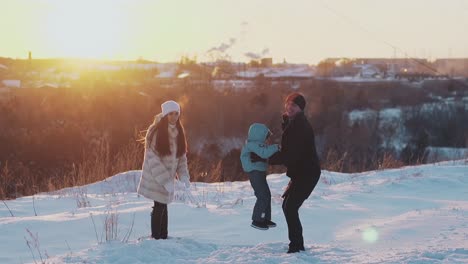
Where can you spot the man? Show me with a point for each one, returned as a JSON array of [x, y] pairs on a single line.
[[299, 155]]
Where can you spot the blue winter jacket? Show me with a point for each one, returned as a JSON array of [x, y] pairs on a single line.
[[256, 143]]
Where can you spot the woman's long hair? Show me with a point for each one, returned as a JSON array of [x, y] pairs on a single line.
[[162, 138]]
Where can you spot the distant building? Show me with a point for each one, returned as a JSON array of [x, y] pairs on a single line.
[[452, 67], [399, 65], [11, 83], [382, 67], [236, 84], [368, 71], [266, 62], [289, 72], [6, 87], [261, 63]]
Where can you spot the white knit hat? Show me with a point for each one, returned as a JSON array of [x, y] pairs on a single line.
[[170, 106]]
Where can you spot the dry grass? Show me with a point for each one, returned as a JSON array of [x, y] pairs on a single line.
[[388, 161], [97, 165], [334, 161], [59, 138], [346, 162]]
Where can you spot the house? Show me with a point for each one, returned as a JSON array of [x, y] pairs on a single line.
[[6, 87], [384, 67], [266, 62], [368, 71], [46, 85], [11, 83], [292, 71], [5, 93], [453, 67]]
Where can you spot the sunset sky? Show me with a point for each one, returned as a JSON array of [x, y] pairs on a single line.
[[300, 31]]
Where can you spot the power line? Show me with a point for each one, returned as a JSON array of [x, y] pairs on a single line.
[[375, 37]]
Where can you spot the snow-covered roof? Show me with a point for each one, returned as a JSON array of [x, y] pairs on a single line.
[[167, 70], [300, 72], [46, 85], [235, 84], [166, 74], [183, 75], [248, 74], [12, 83]]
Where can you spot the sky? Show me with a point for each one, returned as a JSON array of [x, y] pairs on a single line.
[[299, 31], [413, 214]]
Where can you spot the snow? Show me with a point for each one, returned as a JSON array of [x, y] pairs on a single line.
[[166, 70], [278, 72], [225, 144], [41, 84], [233, 84], [367, 71], [166, 74], [357, 116], [391, 125], [183, 75], [409, 215], [357, 79], [12, 83], [447, 105], [392, 129], [391, 113], [435, 154]]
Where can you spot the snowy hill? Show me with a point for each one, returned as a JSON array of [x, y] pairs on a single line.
[[410, 215]]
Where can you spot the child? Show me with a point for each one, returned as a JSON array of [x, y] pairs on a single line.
[[257, 143]]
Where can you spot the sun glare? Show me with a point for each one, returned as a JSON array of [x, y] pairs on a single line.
[[86, 29]]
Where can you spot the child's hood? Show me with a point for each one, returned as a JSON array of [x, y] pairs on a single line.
[[258, 132]]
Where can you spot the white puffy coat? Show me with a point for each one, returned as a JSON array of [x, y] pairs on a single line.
[[159, 172]]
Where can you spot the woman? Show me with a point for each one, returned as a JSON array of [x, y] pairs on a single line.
[[165, 160]]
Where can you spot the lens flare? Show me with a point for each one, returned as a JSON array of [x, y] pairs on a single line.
[[370, 235]]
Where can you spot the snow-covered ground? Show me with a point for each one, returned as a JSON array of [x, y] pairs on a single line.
[[391, 125], [436, 154], [391, 122], [410, 215]]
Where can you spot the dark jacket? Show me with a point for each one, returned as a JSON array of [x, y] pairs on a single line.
[[298, 152]]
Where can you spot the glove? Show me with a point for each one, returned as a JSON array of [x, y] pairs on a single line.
[[255, 158]]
